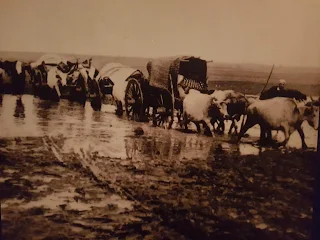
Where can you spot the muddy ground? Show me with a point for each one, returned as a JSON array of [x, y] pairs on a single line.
[[67, 172]]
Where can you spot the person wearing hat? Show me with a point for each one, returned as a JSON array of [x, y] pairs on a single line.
[[275, 91], [282, 82]]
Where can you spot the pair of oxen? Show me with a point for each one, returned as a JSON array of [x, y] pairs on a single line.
[[74, 81], [16, 71], [285, 112]]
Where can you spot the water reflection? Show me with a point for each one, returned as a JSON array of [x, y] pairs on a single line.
[[248, 149], [167, 146], [19, 109], [184, 148]]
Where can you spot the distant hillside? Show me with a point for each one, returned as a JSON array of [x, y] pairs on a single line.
[[256, 87], [220, 74], [260, 73]]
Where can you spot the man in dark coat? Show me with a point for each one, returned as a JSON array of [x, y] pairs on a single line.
[[275, 91]]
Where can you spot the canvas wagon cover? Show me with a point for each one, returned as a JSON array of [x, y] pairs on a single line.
[[116, 72], [49, 59], [107, 69]]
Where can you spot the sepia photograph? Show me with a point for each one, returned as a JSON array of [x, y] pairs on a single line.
[[172, 119]]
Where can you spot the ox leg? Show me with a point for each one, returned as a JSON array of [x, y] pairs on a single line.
[[208, 122], [198, 127], [185, 121], [236, 119], [56, 87], [287, 131], [221, 125], [213, 121], [262, 133], [265, 135], [58, 90], [119, 110], [233, 125], [301, 133], [269, 135], [249, 123], [236, 128], [181, 118], [242, 122]]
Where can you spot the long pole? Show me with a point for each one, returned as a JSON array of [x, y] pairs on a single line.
[[268, 79]]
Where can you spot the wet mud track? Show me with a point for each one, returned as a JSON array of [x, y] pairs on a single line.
[[96, 180]]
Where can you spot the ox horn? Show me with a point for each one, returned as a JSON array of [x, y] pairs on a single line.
[[184, 60], [209, 61]]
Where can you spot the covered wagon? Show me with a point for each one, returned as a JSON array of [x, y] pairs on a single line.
[[124, 84], [168, 81]]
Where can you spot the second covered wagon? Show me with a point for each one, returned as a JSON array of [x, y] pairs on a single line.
[[158, 95]]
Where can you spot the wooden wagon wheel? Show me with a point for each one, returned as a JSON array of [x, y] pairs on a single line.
[[159, 112], [172, 102], [162, 110], [134, 100]]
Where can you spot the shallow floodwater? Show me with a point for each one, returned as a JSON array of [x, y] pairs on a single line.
[[110, 135]]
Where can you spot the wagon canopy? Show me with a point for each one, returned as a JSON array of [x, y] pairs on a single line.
[[49, 59], [188, 66], [117, 72]]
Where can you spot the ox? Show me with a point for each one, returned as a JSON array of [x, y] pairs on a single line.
[[196, 108], [85, 77], [231, 106], [55, 79], [280, 114], [2, 77], [16, 70], [183, 91]]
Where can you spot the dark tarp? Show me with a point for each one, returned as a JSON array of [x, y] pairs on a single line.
[[190, 67]]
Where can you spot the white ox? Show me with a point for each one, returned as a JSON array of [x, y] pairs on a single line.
[[196, 106], [283, 114], [54, 76]]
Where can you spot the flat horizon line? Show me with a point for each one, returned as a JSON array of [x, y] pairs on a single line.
[[148, 58]]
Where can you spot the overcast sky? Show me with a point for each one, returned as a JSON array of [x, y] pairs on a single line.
[[283, 32]]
